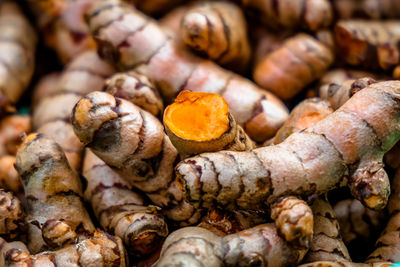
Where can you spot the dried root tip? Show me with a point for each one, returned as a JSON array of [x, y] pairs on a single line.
[[308, 113], [12, 129], [9, 179], [338, 94], [136, 88], [218, 30], [212, 129], [287, 70], [294, 220], [100, 250], [12, 221], [327, 243], [57, 233]]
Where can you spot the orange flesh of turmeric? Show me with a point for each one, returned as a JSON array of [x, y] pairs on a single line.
[[197, 116]]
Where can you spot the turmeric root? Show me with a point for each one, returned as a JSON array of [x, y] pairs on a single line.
[[218, 31], [136, 88], [84, 74], [12, 223], [306, 114], [373, 9], [345, 264], [17, 46], [9, 179], [370, 44], [338, 94], [173, 69], [339, 76], [212, 129], [11, 129], [120, 210], [257, 246], [327, 242], [100, 250], [5, 246], [264, 175], [306, 14], [289, 69], [55, 213], [155, 7], [45, 87]]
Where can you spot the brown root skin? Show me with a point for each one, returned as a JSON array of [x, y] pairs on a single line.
[[306, 114], [257, 246], [86, 73], [45, 87], [99, 250], [12, 128], [9, 179], [18, 42], [375, 9], [155, 7], [12, 216], [345, 264], [136, 88], [212, 129], [288, 14], [327, 242], [120, 210], [252, 180], [359, 47], [338, 94], [53, 192], [339, 76], [218, 31], [4, 247], [174, 69], [286, 71]]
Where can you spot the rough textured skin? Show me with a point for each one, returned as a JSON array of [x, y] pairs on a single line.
[[86, 73], [12, 222], [306, 114], [357, 221], [9, 179], [46, 86], [4, 247], [257, 246], [370, 44], [129, 39], [17, 46], [373, 9], [300, 60], [337, 94], [327, 242], [11, 130], [218, 31], [369, 121], [136, 88], [388, 244], [121, 211], [234, 138], [306, 14], [133, 142], [100, 250], [345, 264], [53, 192]]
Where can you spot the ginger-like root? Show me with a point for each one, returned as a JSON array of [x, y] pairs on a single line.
[[11, 130], [338, 94], [44, 88], [100, 250], [218, 30], [257, 246], [306, 114], [286, 71], [17, 45], [55, 212], [136, 88], [327, 243], [373, 9], [306, 14], [9, 179], [370, 44], [5, 246], [294, 167], [12, 221], [86, 73], [212, 128], [173, 69], [120, 210]]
